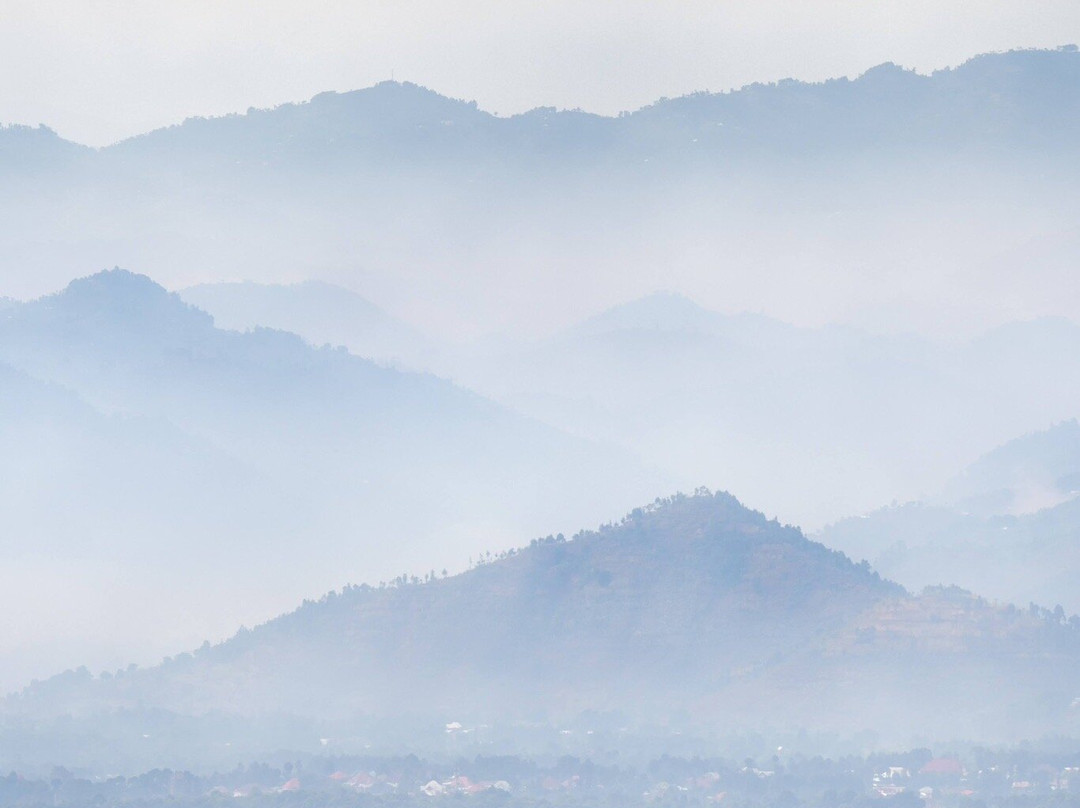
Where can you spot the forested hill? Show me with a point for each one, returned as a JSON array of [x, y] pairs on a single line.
[[1021, 98], [694, 603]]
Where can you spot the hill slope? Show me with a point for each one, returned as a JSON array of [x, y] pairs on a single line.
[[247, 466], [1008, 527], [1036, 471], [693, 604], [321, 313]]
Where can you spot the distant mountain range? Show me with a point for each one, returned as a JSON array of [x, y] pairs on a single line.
[[323, 314], [694, 607], [1028, 474], [1008, 527], [794, 418], [167, 448], [1021, 98], [756, 198], [234, 473]]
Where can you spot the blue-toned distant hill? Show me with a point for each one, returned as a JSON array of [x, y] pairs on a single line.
[[234, 473], [812, 423], [1007, 527], [771, 192], [1033, 472], [1020, 99], [40, 153], [122, 535], [939, 204], [1023, 98], [323, 314], [893, 202], [694, 612]]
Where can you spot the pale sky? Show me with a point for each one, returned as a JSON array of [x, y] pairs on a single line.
[[100, 70]]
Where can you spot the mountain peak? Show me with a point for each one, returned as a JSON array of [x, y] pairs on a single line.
[[115, 278], [668, 312], [658, 311], [388, 103], [691, 516], [119, 296], [891, 73]]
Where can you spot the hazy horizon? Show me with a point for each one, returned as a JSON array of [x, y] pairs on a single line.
[[101, 73]]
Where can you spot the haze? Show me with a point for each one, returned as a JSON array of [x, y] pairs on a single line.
[[371, 422]]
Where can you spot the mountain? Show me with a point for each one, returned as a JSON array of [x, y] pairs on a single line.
[[792, 416], [1028, 474], [102, 515], [882, 201], [38, 151], [694, 610], [670, 312], [813, 423], [320, 312], [1023, 559], [758, 197], [985, 103], [237, 471], [1007, 527]]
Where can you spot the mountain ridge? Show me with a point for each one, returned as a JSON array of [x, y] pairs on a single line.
[[849, 176], [383, 100], [321, 313]]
